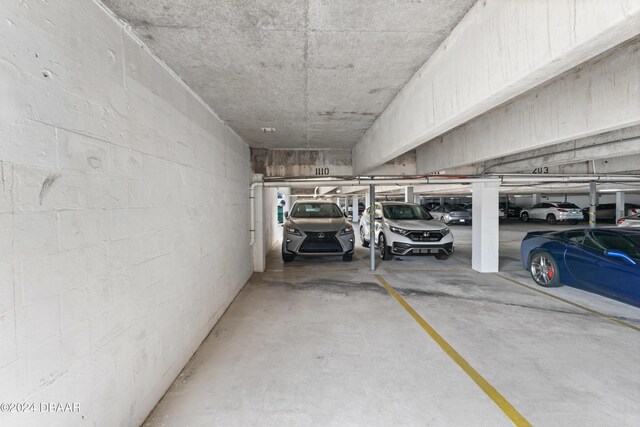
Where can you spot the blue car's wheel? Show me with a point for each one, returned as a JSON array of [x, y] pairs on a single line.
[[544, 270]]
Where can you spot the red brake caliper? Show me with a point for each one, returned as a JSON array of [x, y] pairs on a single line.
[[550, 273]]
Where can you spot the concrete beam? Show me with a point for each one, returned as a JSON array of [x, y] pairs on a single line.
[[476, 70], [624, 165], [404, 164], [600, 96], [301, 163], [566, 153]]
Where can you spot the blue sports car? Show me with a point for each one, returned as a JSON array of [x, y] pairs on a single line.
[[604, 261]]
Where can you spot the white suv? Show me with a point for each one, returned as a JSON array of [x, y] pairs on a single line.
[[406, 229], [552, 212]]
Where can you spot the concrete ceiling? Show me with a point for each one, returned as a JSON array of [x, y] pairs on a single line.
[[319, 71]]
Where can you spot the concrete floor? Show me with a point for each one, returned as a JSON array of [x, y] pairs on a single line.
[[320, 342]]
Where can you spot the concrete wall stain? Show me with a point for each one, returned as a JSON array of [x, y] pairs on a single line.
[[46, 186]]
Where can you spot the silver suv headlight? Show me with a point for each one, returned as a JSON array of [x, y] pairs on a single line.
[[398, 230], [348, 230], [445, 231], [294, 231]]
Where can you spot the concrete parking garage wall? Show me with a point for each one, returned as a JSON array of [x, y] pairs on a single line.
[[124, 219]]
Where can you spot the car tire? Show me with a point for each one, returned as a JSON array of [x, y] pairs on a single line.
[[287, 257], [551, 219], [347, 257], [365, 242], [442, 256], [385, 251], [524, 217], [544, 270]]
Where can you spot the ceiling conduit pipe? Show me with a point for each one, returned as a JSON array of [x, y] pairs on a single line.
[[503, 178]]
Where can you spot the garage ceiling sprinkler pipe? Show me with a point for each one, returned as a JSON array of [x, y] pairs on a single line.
[[439, 179]]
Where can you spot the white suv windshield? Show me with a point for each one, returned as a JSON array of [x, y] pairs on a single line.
[[400, 212], [316, 210], [567, 206]]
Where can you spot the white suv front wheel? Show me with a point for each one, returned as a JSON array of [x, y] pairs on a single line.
[[385, 251]]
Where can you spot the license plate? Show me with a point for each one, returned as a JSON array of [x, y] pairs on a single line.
[[424, 251], [462, 220]]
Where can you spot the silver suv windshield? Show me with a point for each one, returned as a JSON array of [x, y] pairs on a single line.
[[316, 210], [400, 212]]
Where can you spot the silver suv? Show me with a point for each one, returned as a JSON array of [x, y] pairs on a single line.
[[552, 212], [406, 229], [316, 227]]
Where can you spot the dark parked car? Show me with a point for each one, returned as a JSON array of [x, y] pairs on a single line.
[[501, 215], [604, 261], [607, 211], [361, 208], [429, 206], [513, 211]]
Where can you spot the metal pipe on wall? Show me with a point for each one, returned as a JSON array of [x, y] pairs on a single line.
[[593, 201], [372, 226], [252, 214]]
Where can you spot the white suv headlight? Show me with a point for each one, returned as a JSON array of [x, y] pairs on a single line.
[[398, 230], [445, 231]]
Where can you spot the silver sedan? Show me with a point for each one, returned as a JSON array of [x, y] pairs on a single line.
[[451, 214]]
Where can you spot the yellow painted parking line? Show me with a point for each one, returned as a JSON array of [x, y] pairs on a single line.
[[582, 307], [430, 270], [489, 390]]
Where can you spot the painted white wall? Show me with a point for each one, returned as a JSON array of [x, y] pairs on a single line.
[[124, 220]]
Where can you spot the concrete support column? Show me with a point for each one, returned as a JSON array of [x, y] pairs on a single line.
[[593, 201], [441, 201], [367, 200], [408, 194], [535, 199], [354, 211], [620, 202], [416, 198], [484, 233]]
